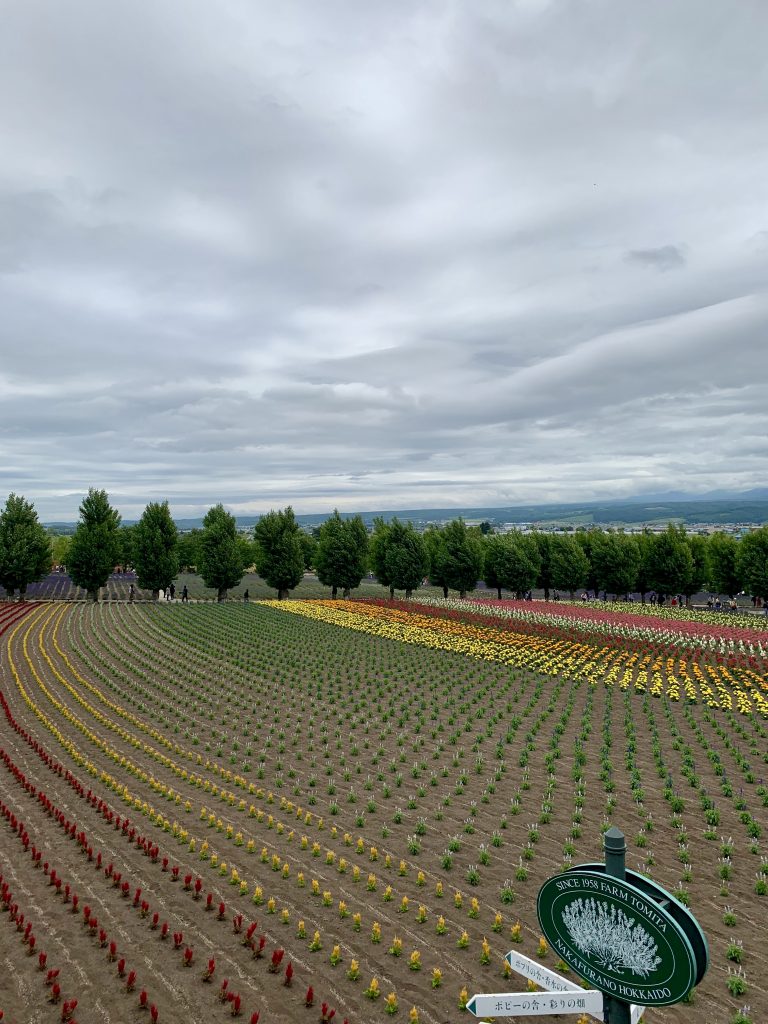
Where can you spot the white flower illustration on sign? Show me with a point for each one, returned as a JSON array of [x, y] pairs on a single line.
[[617, 941]]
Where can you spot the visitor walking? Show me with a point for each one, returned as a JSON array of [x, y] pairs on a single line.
[[185, 595]]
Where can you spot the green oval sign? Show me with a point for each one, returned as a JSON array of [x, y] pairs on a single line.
[[616, 938], [682, 915]]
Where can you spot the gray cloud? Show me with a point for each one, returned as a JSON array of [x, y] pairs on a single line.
[[381, 255], [666, 257]]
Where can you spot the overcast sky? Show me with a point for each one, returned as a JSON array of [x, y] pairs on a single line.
[[381, 254]]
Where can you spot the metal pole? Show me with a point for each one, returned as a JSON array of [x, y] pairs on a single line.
[[614, 845]]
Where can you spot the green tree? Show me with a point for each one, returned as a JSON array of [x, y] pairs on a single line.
[[309, 549], [378, 553], [512, 562], [645, 550], [398, 556], [155, 548], [279, 555], [752, 563], [590, 541], [60, 548], [341, 559], [94, 550], [670, 562], [125, 540], [722, 574], [616, 562], [570, 565], [696, 579], [543, 543], [248, 552], [463, 565], [220, 551], [407, 559], [25, 548], [189, 549], [436, 558]]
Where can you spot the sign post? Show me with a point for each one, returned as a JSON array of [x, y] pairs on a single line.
[[616, 1011], [536, 1004], [554, 982], [632, 942], [626, 936]]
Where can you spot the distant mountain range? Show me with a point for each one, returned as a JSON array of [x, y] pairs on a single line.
[[716, 507], [755, 494]]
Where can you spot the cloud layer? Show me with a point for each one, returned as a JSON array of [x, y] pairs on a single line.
[[381, 255]]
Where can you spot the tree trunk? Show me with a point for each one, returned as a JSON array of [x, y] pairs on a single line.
[[282, 594], [94, 595], [408, 595], [445, 592], [546, 593], [334, 592], [462, 594], [573, 595], [22, 592], [346, 593], [222, 594], [391, 593], [498, 591], [156, 595]]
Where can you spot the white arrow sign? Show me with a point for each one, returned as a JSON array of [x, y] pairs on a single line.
[[536, 1004], [522, 964]]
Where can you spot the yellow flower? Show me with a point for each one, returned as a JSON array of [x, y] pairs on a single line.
[[372, 992]]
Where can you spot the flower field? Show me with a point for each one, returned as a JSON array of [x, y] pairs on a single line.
[[344, 810], [58, 586], [724, 666]]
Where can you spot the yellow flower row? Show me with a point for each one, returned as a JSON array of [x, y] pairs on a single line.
[[678, 678]]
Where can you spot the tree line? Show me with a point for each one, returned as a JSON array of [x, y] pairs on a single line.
[[341, 552]]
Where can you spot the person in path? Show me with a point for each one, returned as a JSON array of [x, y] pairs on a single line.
[[246, 597], [185, 594]]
